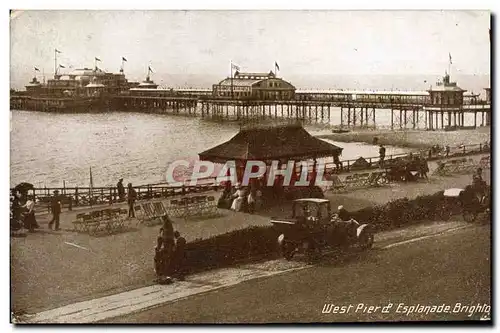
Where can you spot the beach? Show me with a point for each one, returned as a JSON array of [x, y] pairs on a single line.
[[413, 138]]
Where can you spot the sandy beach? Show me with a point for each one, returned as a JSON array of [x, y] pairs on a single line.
[[413, 138]]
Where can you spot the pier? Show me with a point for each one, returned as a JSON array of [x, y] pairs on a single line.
[[353, 114], [260, 96]]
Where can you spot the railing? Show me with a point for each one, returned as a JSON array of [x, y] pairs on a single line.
[[86, 196], [347, 165]]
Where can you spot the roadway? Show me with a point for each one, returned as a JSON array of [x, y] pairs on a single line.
[[444, 270]]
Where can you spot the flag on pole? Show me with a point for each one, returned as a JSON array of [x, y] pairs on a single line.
[[276, 65], [124, 59], [36, 69], [57, 51], [91, 186], [97, 59], [451, 63], [236, 67]]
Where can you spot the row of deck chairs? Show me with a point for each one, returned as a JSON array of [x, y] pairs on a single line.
[[106, 220], [360, 180], [193, 206], [460, 166]]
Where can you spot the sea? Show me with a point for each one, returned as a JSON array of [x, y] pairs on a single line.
[[56, 150]]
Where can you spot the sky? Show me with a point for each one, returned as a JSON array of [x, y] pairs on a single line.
[[184, 45]]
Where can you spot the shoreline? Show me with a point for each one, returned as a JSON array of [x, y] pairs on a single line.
[[413, 138]]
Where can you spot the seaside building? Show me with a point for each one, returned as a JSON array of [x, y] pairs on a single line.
[[446, 98], [262, 86], [488, 95], [34, 87], [82, 82]]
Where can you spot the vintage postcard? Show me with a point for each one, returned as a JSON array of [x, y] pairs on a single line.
[[251, 166]]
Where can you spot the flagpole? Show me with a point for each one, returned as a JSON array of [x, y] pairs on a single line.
[[232, 94], [55, 62], [91, 187]]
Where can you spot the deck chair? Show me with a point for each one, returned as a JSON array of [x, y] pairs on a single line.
[[211, 204], [159, 209], [78, 223], [175, 209], [337, 184], [485, 162]]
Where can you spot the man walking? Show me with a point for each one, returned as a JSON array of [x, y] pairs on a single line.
[[381, 153], [132, 196], [55, 207], [121, 190]]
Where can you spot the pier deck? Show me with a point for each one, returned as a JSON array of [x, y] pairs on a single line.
[[362, 112]]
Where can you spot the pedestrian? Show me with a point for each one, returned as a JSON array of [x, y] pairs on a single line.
[[168, 242], [132, 196], [16, 211], [424, 165], [55, 207], [121, 190], [179, 256], [251, 201], [338, 165], [447, 151], [29, 218], [381, 153]]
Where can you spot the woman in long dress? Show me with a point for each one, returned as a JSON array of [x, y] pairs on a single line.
[[239, 197], [29, 217]]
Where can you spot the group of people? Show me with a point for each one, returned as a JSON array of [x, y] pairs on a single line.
[[131, 196], [169, 253], [22, 211], [239, 198]]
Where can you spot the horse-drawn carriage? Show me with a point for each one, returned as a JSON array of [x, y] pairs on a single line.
[[312, 227], [471, 202], [404, 169]]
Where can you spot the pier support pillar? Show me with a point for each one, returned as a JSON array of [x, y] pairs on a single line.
[[392, 118]]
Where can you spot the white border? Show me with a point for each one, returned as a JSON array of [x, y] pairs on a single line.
[[186, 4]]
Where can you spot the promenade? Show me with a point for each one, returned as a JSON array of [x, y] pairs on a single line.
[[50, 269]]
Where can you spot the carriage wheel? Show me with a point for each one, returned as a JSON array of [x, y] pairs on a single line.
[[445, 213], [469, 216], [366, 240], [287, 250], [382, 180]]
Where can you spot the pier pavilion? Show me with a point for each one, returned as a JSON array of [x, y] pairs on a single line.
[[259, 86]]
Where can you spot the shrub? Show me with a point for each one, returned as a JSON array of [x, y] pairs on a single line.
[[260, 242]]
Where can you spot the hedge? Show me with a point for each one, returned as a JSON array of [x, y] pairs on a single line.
[[260, 242]]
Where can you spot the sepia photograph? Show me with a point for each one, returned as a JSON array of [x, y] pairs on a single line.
[[250, 166]]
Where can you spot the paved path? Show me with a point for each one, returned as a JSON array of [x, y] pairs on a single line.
[[453, 269], [125, 303]]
